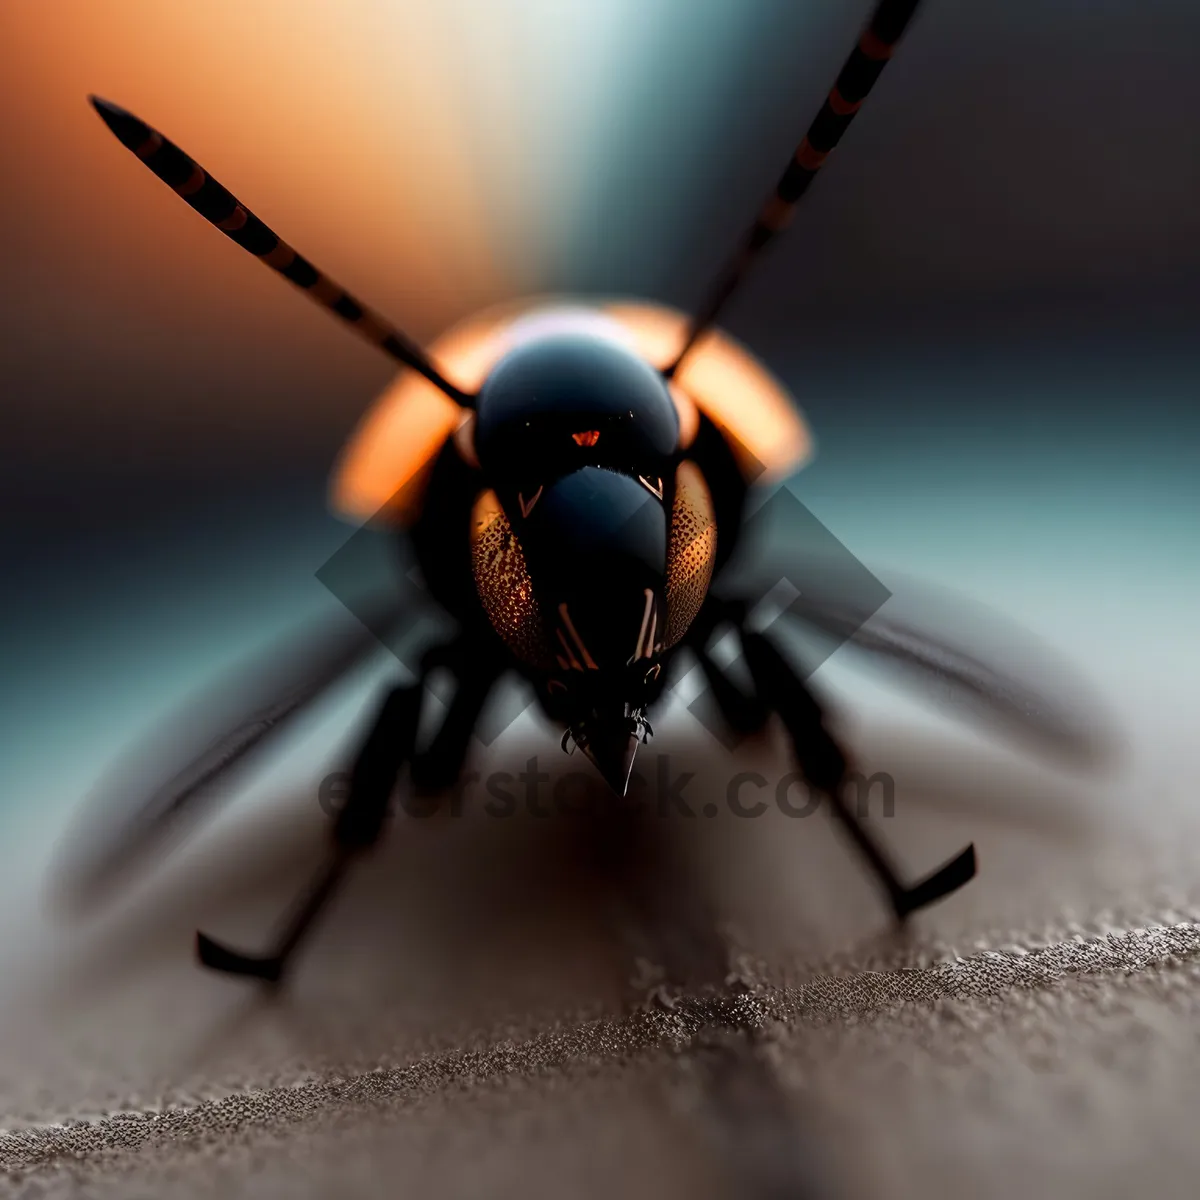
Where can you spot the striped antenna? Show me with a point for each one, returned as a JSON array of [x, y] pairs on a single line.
[[857, 77], [221, 208]]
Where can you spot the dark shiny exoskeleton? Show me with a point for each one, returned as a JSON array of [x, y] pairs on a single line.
[[604, 548], [574, 533]]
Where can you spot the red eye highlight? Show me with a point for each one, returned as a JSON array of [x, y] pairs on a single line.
[[589, 437]]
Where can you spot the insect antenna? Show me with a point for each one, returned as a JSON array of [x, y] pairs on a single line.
[[221, 208], [858, 75]]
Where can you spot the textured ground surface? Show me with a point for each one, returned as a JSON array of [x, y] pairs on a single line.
[[474, 1019]]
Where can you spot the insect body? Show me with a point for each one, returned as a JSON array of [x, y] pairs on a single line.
[[593, 531], [574, 517]]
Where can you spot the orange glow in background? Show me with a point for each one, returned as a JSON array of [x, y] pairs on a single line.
[[382, 468], [397, 145], [366, 165], [434, 157]]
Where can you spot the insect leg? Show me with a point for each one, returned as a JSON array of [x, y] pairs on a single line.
[[475, 672], [741, 712], [387, 747], [824, 765], [390, 744]]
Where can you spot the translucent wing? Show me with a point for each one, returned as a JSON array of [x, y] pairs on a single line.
[[957, 655], [986, 672], [169, 780]]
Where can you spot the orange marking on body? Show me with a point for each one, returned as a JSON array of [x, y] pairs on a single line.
[[874, 47], [234, 221], [589, 437], [370, 326], [325, 290], [193, 183], [149, 146], [572, 661], [842, 106], [587, 658], [776, 213], [527, 508], [809, 158], [279, 258]]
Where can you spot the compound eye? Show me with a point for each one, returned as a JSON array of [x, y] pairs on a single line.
[[504, 586], [692, 550]]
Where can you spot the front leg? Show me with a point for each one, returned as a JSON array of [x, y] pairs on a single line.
[[389, 746], [824, 765]]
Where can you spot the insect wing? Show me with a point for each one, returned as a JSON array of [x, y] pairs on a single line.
[[954, 653], [149, 798]]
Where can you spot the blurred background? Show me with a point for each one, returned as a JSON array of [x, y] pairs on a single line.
[[987, 307]]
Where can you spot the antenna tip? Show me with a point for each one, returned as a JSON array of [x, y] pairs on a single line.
[[125, 125], [105, 107]]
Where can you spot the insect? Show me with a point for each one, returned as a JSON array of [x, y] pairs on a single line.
[[522, 528]]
